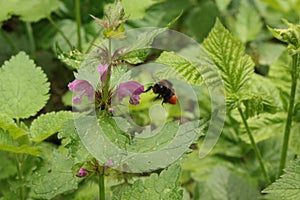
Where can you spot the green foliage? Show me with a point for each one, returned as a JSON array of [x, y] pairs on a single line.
[[228, 54], [23, 87], [48, 124], [8, 124], [54, 177], [164, 186], [30, 11], [287, 187], [182, 67], [137, 9]]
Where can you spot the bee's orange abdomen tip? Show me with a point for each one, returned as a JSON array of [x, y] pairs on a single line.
[[173, 99]]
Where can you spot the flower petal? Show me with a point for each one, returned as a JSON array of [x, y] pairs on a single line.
[[132, 89], [103, 72], [83, 87]]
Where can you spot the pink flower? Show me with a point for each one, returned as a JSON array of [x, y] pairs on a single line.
[[82, 172], [103, 72], [83, 87], [132, 89]]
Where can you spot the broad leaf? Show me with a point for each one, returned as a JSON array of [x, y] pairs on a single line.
[[48, 124], [23, 87], [164, 186], [30, 11], [8, 124], [182, 67], [54, 178], [287, 187], [137, 9], [248, 23], [228, 54]]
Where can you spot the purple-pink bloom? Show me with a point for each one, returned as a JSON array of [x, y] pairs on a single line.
[[109, 163], [103, 72], [83, 87], [132, 89], [82, 172]]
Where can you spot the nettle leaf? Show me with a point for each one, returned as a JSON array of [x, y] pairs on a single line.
[[136, 9], [30, 11], [54, 178], [7, 143], [224, 184], [48, 124], [72, 59], [163, 186], [263, 126], [248, 23], [23, 87], [182, 67], [135, 57], [228, 53], [287, 186], [8, 124]]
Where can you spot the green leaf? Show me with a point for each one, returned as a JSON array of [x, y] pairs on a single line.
[[73, 59], [54, 178], [165, 186], [287, 186], [224, 184], [137, 9], [48, 124], [30, 11], [23, 87], [8, 124], [248, 23], [228, 54], [182, 67], [222, 4], [8, 144], [136, 56]]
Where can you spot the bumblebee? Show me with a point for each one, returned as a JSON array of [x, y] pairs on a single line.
[[165, 90]]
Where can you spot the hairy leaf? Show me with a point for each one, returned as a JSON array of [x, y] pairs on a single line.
[[182, 67], [30, 11], [23, 87], [164, 186], [248, 23], [54, 178], [287, 186], [228, 54], [137, 9], [8, 124], [73, 59], [48, 124], [7, 143]]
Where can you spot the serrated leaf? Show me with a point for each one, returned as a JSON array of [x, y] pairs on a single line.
[[73, 59], [48, 124], [8, 124], [182, 67], [135, 57], [224, 184], [47, 184], [8, 144], [165, 186], [30, 11], [287, 186], [23, 87], [228, 54], [248, 23]]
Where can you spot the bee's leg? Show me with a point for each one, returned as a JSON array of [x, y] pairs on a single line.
[[158, 97], [149, 88]]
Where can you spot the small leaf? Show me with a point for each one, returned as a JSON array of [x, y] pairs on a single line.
[[182, 67], [47, 185], [287, 186], [8, 144], [135, 57], [73, 59], [30, 11], [48, 124], [228, 54], [23, 87], [248, 23], [8, 124]]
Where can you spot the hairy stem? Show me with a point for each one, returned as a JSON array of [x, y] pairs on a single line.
[[78, 22], [106, 86], [20, 176], [101, 187], [30, 38], [288, 125], [254, 146], [60, 31]]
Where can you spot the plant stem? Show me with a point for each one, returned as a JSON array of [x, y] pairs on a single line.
[[106, 86], [60, 31], [20, 176], [101, 186], [254, 146], [30, 38], [288, 125], [78, 21]]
